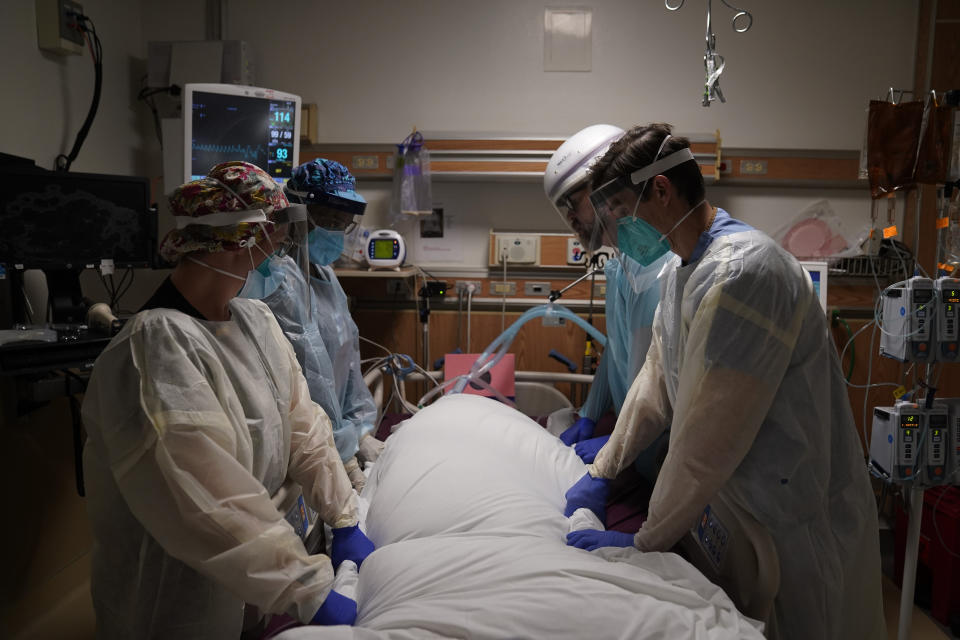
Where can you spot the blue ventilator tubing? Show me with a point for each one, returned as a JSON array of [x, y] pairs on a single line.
[[501, 344]]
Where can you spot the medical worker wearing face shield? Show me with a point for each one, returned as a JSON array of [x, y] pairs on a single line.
[[632, 293], [196, 414], [743, 371], [314, 314]]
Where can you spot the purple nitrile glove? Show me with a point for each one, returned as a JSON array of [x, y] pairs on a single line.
[[349, 543], [336, 609], [588, 449], [580, 430], [590, 493], [591, 539]]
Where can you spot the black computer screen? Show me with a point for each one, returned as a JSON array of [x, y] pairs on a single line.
[[59, 220], [253, 129]]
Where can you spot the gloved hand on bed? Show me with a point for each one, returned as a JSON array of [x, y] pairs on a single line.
[[336, 609], [588, 449], [591, 539], [589, 493], [349, 543], [370, 449], [357, 479], [581, 430]]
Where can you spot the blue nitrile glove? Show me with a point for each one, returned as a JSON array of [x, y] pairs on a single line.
[[349, 543], [590, 493], [588, 449], [336, 609], [580, 430], [591, 539]]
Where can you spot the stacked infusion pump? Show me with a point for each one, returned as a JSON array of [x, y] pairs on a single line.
[[912, 442], [920, 320]]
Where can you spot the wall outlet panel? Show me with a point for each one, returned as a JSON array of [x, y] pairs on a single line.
[[534, 289], [518, 249], [753, 167], [463, 284], [56, 27], [502, 288], [575, 253], [599, 289]]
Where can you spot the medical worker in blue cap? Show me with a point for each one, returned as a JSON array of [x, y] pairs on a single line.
[[319, 325]]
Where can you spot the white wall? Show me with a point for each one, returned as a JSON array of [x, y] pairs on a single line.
[[46, 96], [800, 78]]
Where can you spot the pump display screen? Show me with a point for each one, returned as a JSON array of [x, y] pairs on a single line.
[[383, 249], [909, 421], [951, 297]]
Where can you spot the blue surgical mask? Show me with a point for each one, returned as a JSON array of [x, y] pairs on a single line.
[[262, 281], [324, 246]]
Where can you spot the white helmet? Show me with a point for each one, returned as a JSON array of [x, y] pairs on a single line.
[[568, 169], [568, 165]]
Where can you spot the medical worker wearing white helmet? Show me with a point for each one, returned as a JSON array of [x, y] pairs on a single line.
[[632, 293]]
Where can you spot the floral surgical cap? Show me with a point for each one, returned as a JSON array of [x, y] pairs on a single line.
[[229, 186]]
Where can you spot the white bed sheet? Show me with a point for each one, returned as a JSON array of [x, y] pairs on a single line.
[[466, 510]]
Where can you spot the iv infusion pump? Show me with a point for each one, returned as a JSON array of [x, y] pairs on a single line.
[[912, 443], [919, 320]]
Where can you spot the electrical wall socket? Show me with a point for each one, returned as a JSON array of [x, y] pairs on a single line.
[[57, 30], [463, 284], [554, 321], [536, 288], [599, 289], [502, 288], [753, 167]]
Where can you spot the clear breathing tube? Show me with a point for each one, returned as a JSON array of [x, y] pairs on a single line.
[[499, 347]]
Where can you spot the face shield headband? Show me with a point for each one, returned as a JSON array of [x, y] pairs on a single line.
[[608, 201]]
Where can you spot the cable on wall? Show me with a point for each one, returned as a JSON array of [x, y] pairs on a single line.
[[85, 24]]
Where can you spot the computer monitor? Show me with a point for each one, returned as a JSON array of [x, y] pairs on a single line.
[[818, 274], [65, 222], [225, 122]]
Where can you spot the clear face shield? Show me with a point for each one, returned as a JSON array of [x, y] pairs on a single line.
[[574, 209], [328, 229], [276, 259], [327, 225], [292, 224], [616, 205]]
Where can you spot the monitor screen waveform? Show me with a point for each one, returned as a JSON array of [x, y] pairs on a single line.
[[254, 153]]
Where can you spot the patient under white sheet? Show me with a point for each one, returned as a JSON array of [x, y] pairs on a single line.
[[466, 510]]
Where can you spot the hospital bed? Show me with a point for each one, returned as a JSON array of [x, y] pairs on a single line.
[[465, 507]]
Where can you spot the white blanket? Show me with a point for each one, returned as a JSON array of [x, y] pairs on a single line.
[[466, 510]]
